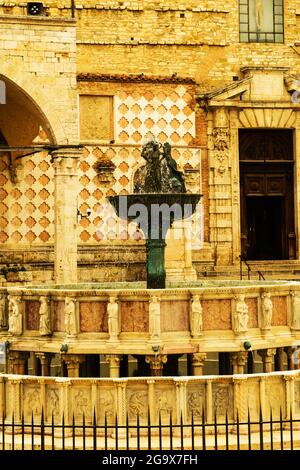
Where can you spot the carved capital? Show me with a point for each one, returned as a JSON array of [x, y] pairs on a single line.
[[156, 361], [113, 359], [18, 355], [44, 357], [239, 358], [73, 359], [267, 354], [198, 359], [65, 162], [290, 378]]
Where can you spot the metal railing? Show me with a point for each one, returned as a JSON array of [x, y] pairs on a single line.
[[249, 270], [227, 434]]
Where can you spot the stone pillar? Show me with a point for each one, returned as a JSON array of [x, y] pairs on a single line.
[[293, 355], [220, 185], [238, 360], [267, 358], [66, 195], [73, 362], [157, 364], [198, 360], [151, 400], [114, 365], [290, 404], [290, 357], [18, 361], [181, 400], [279, 359], [45, 359], [121, 405], [209, 401], [239, 401]]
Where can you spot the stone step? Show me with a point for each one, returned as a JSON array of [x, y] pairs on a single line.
[[270, 270]]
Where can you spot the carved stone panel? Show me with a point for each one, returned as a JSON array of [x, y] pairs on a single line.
[[32, 315], [93, 317], [249, 400], [135, 316], [32, 401], [58, 316], [107, 405], [222, 399], [274, 397], [52, 401], [216, 314], [252, 313], [279, 316], [165, 400], [81, 403], [297, 397], [174, 315], [195, 402], [137, 403]]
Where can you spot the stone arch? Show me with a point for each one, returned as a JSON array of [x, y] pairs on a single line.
[[267, 118], [26, 178], [26, 115]]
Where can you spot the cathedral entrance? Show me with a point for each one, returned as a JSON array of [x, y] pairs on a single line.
[[267, 194]]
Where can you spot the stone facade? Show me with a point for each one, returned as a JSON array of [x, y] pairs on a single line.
[[136, 81], [84, 90]]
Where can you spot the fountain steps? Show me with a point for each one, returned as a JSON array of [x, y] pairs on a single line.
[[270, 269]]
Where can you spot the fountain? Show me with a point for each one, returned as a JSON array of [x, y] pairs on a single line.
[[159, 198]]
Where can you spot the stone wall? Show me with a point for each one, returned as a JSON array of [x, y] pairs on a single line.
[[40, 57], [180, 396], [132, 38], [215, 317]]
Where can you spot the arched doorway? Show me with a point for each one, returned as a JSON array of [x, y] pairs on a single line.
[[267, 194]]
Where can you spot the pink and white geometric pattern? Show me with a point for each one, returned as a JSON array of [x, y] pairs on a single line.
[[27, 207], [164, 116]]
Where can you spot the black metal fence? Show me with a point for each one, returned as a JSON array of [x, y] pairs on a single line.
[[281, 433]]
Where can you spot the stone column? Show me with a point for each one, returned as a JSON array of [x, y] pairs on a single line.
[[45, 359], [198, 360], [240, 405], [279, 359], [220, 185], [151, 400], [238, 360], [293, 355], [289, 395], [267, 358], [209, 401], [73, 362], [66, 195], [290, 357], [18, 360], [121, 405], [114, 365], [157, 364]]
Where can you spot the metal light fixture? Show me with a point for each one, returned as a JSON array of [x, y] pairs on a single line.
[[64, 348], [35, 8]]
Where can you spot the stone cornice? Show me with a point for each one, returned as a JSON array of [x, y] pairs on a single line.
[[133, 78], [37, 20]]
